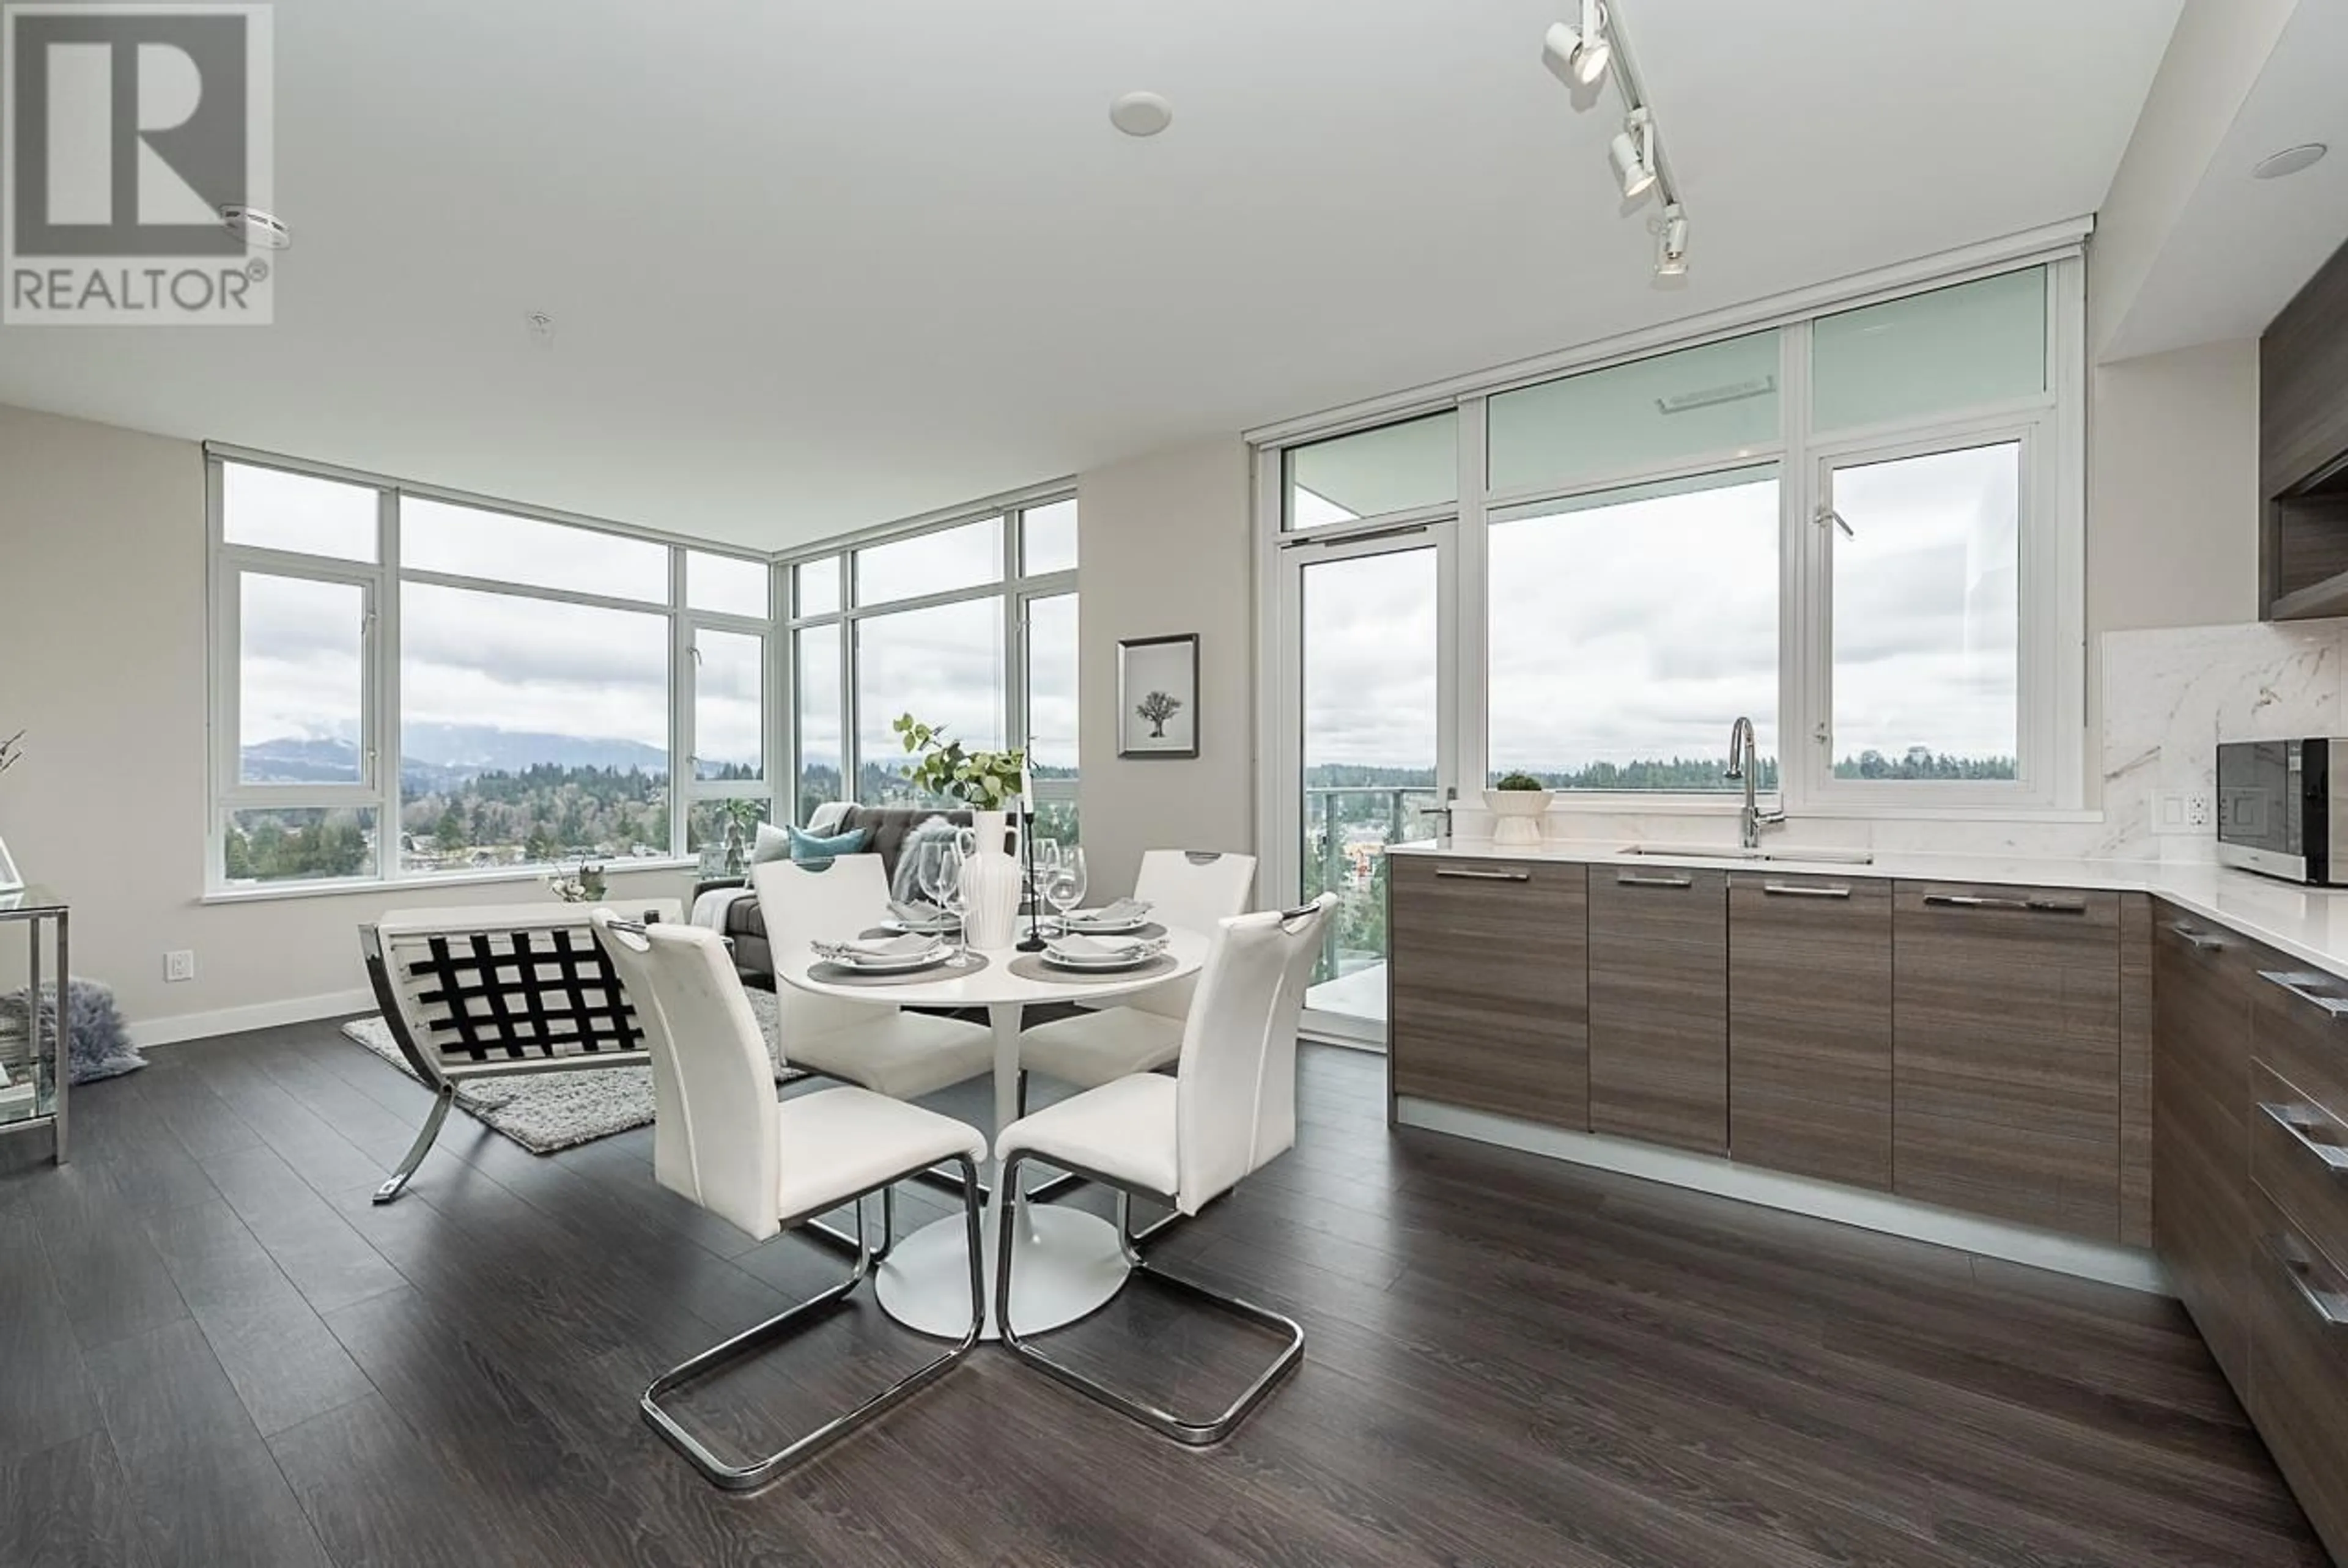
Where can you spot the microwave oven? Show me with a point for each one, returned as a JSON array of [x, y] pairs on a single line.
[[2282, 808]]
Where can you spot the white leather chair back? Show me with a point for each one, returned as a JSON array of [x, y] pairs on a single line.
[[1194, 890], [716, 1121], [803, 903], [1235, 1098]]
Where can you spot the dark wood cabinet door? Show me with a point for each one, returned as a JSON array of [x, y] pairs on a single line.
[[1809, 1026], [2006, 1054], [2201, 1087], [2297, 1301], [1659, 1006], [1489, 1008]]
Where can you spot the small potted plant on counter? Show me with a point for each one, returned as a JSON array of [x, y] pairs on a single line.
[[1518, 803]]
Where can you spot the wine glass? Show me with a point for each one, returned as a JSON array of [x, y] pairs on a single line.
[[1066, 885], [1047, 852], [940, 878]]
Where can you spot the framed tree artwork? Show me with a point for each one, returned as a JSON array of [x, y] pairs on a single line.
[[1158, 696]]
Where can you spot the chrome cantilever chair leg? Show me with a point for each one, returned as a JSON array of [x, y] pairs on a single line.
[[743, 1477], [1196, 1434], [442, 1097], [838, 1240]]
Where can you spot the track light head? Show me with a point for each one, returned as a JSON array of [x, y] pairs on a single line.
[[1579, 56], [1633, 152], [1672, 243]]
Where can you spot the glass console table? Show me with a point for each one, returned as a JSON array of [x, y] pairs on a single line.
[[34, 1059]]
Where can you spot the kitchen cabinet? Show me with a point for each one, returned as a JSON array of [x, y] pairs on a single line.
[[1488, 1005], [1659, 1006], [1809, 1026], [2202, 977], [2006, 1054]]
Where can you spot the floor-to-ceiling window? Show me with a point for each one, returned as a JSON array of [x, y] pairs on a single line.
[[412, 685], [1858, 526], [968, 624]]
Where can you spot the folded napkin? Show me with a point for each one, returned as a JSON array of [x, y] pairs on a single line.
[[1124, 912], [922, 913], [911, 945], [1092, 950]]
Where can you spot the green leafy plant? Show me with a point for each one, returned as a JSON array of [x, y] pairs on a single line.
[[583, 884], [983, 781], [1516, 781]]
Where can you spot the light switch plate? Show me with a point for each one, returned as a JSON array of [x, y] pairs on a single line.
[[180, 965]]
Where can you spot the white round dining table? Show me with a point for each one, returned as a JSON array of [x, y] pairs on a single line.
[[1068, 1262]]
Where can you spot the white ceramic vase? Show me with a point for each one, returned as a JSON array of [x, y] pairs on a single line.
[[991, 881], [1516, 815]]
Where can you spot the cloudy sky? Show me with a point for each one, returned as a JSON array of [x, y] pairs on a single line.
[[1619, 633]]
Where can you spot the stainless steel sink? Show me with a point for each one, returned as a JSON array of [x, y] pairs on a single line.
[[1774, 854]]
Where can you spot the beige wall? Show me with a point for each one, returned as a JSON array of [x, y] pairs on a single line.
[[1167, 549], [102, 635]]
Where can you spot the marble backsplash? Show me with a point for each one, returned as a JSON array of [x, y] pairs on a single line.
[[2168, 695]]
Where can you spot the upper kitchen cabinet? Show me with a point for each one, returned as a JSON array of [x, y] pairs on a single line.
[[2303, 452]]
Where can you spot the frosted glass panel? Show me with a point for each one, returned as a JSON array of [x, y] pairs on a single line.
[[1394, 469], [1719, 399], [1931, 354]]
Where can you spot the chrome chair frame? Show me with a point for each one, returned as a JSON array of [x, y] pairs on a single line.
[[1194, 1434], [745, 1478]]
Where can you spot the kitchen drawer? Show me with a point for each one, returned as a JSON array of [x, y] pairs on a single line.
[[1490, 1002], [2006, 1052], [2299, 1368], [2202, 980], [1809, 1026], [2298, 1157], [1659, 1006], [2303, 1030]]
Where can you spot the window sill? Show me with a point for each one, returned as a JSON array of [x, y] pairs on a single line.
[[375, 886], [1841, 811]]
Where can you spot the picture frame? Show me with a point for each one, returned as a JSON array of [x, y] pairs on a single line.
[[1158, 696]]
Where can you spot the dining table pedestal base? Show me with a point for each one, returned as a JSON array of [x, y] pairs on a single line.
[[1069, 1265]]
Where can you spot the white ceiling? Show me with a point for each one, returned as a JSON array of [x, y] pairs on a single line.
[[817, 266], [2242, 247]]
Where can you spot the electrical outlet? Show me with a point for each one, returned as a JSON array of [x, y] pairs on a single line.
[[180, 965], [2184, 811]]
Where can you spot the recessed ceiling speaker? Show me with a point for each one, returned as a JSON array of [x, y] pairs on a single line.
[[2289, 161], [1141, 114]]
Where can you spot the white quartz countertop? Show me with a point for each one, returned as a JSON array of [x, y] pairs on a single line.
[[2309, 924]]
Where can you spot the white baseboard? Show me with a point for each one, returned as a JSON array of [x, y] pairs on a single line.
[[236, 1020], [2122, 1266]]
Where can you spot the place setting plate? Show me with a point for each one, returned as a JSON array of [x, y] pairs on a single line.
[[901, 960], [1081, 958]]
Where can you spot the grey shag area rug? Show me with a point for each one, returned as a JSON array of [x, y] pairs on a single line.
[[546, 1112]]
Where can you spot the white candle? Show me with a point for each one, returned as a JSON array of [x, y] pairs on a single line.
[[1026, 791]]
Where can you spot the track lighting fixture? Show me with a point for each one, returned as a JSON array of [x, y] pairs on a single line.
[[1670, 243], [1633, 152], [1599, 49], [1580, 55]]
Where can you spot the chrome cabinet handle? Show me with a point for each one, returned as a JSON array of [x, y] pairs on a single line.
[[2297, 1120], [1632, 879], [1477, 873], [2200, 941], [1795, 890], [2330, 1308], [2028, 905], [2297, 984]]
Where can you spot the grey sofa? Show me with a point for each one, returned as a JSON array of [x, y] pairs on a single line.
[[891, 826]]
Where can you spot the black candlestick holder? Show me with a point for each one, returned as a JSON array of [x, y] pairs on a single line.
[[1032, 942]]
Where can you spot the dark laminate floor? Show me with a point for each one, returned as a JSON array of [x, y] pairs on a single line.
[[214, 1351]]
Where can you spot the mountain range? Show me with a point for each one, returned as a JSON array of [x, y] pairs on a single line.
[[437, 755]]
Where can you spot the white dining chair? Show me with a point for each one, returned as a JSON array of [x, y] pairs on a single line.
[[1187, 1139], [1191, 889], [723, 1138], [873, 1045]]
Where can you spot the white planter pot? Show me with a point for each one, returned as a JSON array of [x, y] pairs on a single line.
[[991, 882], [1516, 815]]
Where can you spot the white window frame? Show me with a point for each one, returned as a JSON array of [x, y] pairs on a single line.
[[380, 704], [2052, 423], [1015, 590]]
